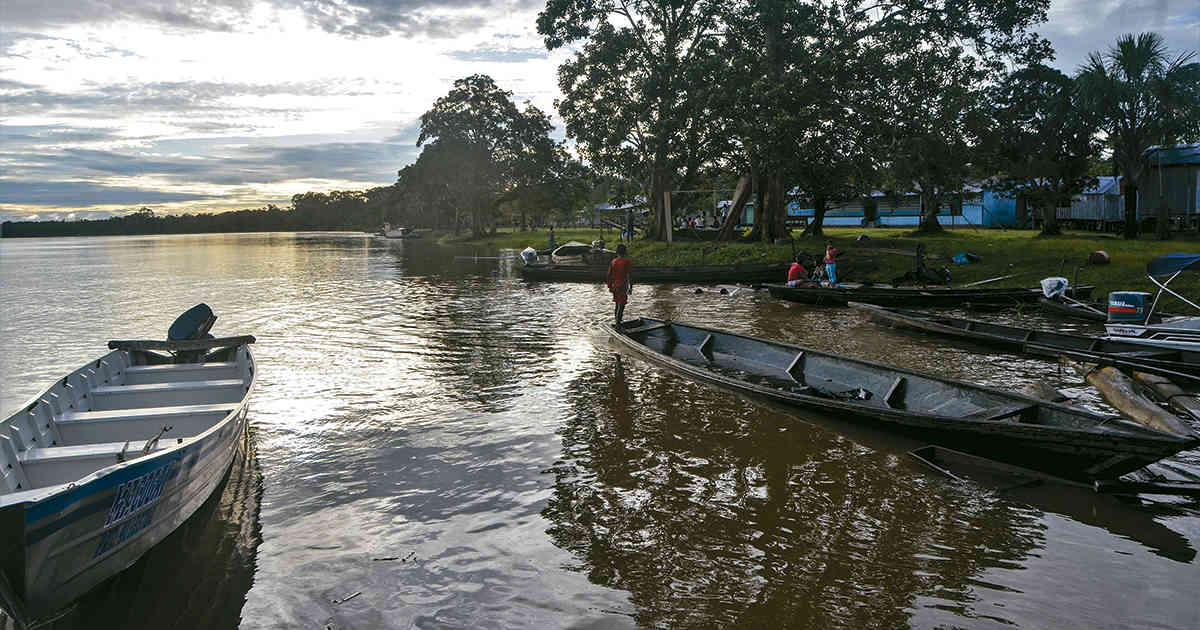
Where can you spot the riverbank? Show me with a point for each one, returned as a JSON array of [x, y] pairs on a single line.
[[889, 252]]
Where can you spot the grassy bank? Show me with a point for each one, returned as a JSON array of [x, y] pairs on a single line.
[[889, 252]]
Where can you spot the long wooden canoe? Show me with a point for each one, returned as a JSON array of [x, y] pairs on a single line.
[[887, 295], [110, 459], [1075, 310], [1057, 439], [1170, 362], [750, 273]]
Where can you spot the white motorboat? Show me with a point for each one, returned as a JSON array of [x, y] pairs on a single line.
[[1131, 319], [398, 232], [112, 458]]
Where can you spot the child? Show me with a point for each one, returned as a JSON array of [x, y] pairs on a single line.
[[831, 254], [619, 281], [797, 274]]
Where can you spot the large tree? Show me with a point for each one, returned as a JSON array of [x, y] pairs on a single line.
[[1041, 140], [1141, 95], [638, 94], [479, 148]]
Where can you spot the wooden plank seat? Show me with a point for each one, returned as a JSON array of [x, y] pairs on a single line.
[[147, 374], [52, 465], [84, 427], [1001, 413], [641, 329], [111, 397]]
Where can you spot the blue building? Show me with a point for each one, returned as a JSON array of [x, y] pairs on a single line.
[[975, 207]]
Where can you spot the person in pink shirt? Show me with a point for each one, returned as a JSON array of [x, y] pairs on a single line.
[[831, 254]]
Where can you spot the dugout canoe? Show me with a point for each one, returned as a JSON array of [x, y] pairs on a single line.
[[110, 459], [888, 295], [1056, 439], [1075, 310], [751, 273], [1170, 362]]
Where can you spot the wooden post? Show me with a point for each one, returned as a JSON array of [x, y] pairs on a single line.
[[667, 211]]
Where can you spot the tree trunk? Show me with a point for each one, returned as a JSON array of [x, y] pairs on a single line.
[[759, 203], [929, 211], [816, 228], [1162, 226], [1131, 222], [773, 219], [657, 227], [740, 196], [1050, 225]]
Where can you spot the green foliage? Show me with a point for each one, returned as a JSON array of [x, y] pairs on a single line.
[[1040, 140], [1140, 96]]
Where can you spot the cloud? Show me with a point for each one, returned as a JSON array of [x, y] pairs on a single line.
[[1079, 27], [499, 55], [82, 194], [356, 18]]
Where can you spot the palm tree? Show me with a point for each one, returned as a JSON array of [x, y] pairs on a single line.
[[1141, 96]]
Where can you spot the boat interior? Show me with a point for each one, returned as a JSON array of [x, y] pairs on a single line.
[[806, 372], [122, 406]]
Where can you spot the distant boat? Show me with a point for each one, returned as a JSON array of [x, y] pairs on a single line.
[[751, 273], [112, 458], [398, 232], [1057, 439], [888, 295]]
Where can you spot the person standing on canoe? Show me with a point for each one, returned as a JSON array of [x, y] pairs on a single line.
[[831, 254], [619, 281]]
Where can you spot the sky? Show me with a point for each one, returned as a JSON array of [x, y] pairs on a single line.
[[107, 106]]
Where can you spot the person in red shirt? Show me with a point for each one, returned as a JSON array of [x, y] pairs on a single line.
[[797, 274], [619, 281]]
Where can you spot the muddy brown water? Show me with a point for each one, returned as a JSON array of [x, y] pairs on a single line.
[[464, 449]]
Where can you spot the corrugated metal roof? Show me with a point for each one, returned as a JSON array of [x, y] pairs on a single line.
[[1175, 154], [1104, 186]]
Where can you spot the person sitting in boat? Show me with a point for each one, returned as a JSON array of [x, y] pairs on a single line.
[[620, 281], [797, 274]]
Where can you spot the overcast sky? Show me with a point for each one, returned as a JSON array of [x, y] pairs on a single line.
[[110, 105]]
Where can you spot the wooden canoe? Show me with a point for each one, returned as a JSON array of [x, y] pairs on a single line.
[[1170, 362], [1075, 310], [110, 459], [887, 295], [1049, 437], [752, 273]]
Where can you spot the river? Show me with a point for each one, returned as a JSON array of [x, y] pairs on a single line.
[[441, 444]]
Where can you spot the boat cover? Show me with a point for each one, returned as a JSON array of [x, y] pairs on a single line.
[[1168, 264]]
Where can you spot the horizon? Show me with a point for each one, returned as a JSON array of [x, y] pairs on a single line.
[[110, 108]]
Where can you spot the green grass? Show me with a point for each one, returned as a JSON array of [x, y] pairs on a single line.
[[889, 252]]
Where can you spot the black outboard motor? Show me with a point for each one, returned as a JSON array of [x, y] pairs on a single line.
[[194, 323]]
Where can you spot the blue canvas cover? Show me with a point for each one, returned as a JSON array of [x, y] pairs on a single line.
[[1168, 264], [193, 324]]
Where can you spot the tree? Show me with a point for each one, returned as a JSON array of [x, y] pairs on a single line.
[[1041, 140], [481, 148], [1141, 96], [638, 95]]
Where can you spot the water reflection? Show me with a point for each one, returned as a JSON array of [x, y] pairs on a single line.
[[715, 511]]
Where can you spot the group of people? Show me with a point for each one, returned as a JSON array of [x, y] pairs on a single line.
[[619, 278], [799, 276]]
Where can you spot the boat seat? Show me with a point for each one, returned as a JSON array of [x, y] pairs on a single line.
[[642, 329], [52, 465], [111, 397], [83, 427], [1001, 413], [176, 372]]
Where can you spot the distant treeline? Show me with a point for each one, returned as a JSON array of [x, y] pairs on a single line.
[[338, 210]]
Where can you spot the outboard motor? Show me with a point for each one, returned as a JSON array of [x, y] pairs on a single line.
[[1128, 307]]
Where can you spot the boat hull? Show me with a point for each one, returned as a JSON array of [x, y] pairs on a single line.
[[1073, 452], [907, 296], [703, 274], [74, 536], [1161, 336]]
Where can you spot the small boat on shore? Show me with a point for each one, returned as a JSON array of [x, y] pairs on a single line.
[[751, 273], [888, 295], [1056, 439], [1085, 311], [398, 232], [112, 458], [1165, 361]]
